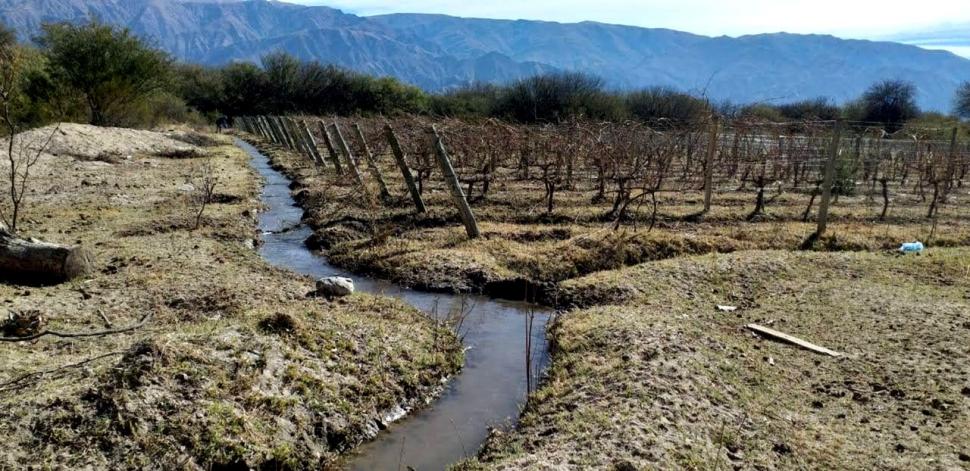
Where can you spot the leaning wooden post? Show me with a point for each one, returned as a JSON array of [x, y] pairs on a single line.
[[709, 164], [287, 138], [264, 130], [350, 157], [280, 136], [828, 180], [372, 162], [276, 130], [294, 139], [334, 158], [311, 143], [471, 226], [298, 143], [405, 171], [300, 137], [271, 132]]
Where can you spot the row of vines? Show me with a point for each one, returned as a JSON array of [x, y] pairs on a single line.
[[631, 163]]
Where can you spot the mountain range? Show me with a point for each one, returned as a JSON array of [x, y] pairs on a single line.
[[953, 37], [439, 52]]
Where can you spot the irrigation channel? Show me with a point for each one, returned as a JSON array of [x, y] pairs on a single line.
[[490, 388]]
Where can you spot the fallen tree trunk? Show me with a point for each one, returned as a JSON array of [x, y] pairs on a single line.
[[32, 261]]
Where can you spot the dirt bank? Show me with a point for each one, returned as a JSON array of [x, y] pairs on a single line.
[[663, 379], [649, 374], [235, 366]]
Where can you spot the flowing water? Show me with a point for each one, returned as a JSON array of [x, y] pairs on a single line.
[[490, 388]]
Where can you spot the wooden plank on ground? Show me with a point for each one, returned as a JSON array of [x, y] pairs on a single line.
[[792, 340]]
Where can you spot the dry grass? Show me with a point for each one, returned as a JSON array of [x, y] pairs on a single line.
[[237, 366], [648, 374], [665, 380]]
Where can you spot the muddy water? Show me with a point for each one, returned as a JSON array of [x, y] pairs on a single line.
[[488, 391]]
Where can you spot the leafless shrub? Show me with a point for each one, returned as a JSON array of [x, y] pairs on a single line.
[[205, 189]]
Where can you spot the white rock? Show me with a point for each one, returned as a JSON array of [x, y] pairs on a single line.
[[187, 188], [335, 286]]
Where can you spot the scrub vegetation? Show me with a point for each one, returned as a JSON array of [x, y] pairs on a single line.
[[232, 364]]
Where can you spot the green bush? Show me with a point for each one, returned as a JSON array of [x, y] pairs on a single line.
[[112, 69], [667, 107]]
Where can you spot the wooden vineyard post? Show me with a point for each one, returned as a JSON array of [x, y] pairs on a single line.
[[448, 172], [828, 181], [290, 136], [294, 137], [372, 162], [301, 143], [311, 142], [277, 126], [264, 129], [287, 140], [274, 134], [334, 158], [342, 143], [405, 171], [709, 164], [250, 125]]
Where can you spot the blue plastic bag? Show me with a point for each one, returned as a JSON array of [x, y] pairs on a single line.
[[911, 247]]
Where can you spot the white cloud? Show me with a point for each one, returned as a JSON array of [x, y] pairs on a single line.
[[848, 18]]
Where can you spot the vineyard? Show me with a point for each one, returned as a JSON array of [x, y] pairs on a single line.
[[641, 175], [640, 234]]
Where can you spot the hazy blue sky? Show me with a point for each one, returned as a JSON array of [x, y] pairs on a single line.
[[847, 18]]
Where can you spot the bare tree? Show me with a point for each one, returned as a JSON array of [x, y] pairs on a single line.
[[205, 189], [23, 151]]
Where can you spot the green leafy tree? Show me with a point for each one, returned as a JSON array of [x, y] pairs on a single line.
[[201, 87], [474, 100], [666, 107], [112, 69], [244, 88]]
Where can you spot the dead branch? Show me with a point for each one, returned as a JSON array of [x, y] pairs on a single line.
[[98, 333], [7, 386]]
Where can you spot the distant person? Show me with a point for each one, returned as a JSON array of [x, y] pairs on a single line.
[[223, 123]]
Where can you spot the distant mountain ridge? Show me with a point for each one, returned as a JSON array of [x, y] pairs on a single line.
[[951, 37], [437, 52]]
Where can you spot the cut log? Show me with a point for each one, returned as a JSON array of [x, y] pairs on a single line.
[[792, 340], [31, 261]]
